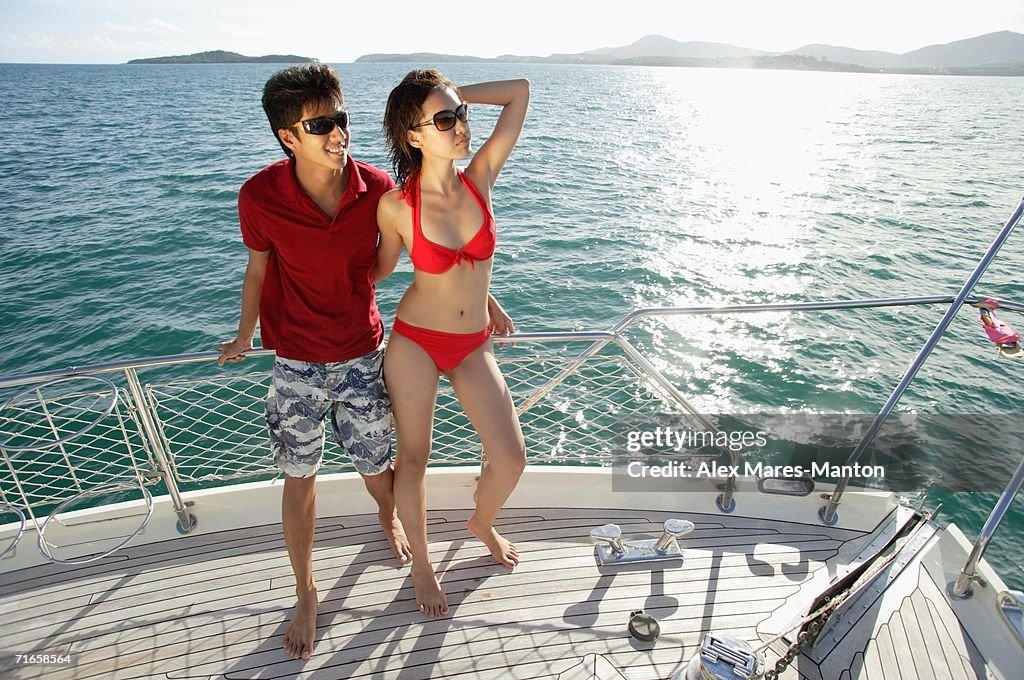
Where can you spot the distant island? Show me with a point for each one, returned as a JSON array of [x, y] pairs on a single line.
[[222, 57], [992, 54]]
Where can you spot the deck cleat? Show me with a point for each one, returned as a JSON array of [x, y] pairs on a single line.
[[611, 549], [611, 534], [674, 529]]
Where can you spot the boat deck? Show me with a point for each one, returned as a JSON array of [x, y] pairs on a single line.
[[216, 605]]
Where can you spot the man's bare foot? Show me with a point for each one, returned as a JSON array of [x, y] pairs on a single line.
[[502, 551], [298, 639], [430, 597], [395, 534]]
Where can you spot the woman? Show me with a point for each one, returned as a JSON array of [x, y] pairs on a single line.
[[446, 318]]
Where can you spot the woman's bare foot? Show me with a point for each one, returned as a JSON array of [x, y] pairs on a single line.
[[301, 633], [430, 597], [395, 534], [502, 551]]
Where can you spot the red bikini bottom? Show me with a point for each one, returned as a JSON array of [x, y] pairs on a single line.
[[446, 349]]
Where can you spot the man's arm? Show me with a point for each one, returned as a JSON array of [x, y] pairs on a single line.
[[389, 248], [252, 289]]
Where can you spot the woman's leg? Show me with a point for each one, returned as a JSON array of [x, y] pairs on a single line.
[[412, 378], [488, 403]]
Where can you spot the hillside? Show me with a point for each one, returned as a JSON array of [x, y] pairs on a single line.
[[990, 50], [1004, 47], [1000, 53], [432, 57], [222, 57], [660, 46], [847, 55]]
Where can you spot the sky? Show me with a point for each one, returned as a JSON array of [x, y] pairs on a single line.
[[339, 31]]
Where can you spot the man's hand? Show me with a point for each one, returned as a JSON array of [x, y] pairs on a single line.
[[233, 350]]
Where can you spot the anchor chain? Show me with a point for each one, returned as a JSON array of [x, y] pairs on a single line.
[[804, 641], [816, 621]]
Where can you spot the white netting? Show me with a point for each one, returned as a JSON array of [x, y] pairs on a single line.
[[65, 439], [215, 429]]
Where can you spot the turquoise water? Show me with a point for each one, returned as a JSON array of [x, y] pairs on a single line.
[[630, 187]]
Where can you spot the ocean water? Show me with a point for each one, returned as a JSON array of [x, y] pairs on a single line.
[[630, 187]]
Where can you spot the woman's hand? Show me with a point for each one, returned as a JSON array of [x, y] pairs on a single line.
[[501, 323]]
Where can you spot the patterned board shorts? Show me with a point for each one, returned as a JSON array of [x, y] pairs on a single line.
[[301, 396]]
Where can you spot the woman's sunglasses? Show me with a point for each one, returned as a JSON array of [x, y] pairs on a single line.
[[445, 120], [324, 125]]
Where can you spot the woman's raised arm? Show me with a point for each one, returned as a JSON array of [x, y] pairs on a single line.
[[514, 98]]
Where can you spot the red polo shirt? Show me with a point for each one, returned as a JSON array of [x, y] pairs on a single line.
[[317, 302]]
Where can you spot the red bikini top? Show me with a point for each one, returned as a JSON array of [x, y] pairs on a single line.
[[436, 259]]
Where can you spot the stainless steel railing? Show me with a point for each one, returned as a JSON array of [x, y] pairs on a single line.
[[143, 399], [961, 588], [154, 406], [827, 513]]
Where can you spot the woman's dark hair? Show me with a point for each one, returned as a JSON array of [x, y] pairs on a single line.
[[288, 92], [405, 106]]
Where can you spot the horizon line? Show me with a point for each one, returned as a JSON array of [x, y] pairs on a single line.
[[511, 54]]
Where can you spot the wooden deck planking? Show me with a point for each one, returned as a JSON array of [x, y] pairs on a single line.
[[569, 611], [218, 606], [579, 604], [905, 655], [887, 656], [923, 624], [915, 642], [340, 604], [327, 564], [241, 547], [872, 669], [956, 646], [477, 566]]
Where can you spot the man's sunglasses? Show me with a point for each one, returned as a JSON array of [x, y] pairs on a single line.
[[324, 125], [445, 120]]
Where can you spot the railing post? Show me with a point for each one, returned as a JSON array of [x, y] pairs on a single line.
[[961, 588], [186, 520], [827, 513], [725, 501]]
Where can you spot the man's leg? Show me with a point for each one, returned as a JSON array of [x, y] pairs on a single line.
[[382, 488], [295, 409], [361, 423], [298, 515]]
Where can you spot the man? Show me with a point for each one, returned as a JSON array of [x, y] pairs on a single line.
[[309, 223]]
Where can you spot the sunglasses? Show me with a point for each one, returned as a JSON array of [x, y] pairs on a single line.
[[324, 125], [445, 120]]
